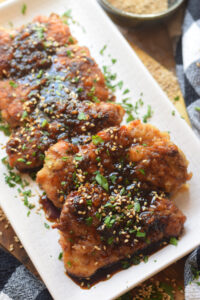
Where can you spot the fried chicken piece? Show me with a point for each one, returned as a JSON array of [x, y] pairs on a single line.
[[54, 108], [83, 71], [74, 122], [100, 228], [5, 55], [120, 156], [73, 69], [15, 103], [32, 46], [56, 29]]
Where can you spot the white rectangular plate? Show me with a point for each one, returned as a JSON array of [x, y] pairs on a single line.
[[41, 243]]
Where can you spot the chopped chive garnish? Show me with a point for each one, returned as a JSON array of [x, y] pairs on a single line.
[[44, 123], [81, 116], [60, 255], [69, 264], [103, 49], [89, 221], [177, 98], [140, 234], [24, 8], [137, 206], [46, 225], [102, 181], [13, 84], [126, 91], [173, 241], [142, 171], [78, 158], [96, 139]]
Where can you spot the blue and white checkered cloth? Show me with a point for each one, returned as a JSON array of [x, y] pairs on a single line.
[[188, 62], [17, 283], [188, 73]]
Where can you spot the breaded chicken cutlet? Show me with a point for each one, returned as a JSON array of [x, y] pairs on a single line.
[[133, 152], [99, 228], [51, 90]]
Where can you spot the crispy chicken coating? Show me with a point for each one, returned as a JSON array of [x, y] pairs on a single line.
[[99, 228], [31, 47], [58, 93], [5, 55], [121, 155], [72, 69], [75, 123]]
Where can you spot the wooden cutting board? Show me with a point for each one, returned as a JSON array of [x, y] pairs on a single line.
[[154, 47]]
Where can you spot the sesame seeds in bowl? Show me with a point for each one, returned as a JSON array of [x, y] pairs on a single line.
[[133, 15]]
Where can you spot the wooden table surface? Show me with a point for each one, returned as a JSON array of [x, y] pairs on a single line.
[[154, 47]]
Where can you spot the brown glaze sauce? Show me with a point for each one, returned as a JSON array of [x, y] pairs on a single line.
[[106, 273], [52, 213]]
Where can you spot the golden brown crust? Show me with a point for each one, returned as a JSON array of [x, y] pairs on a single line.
[[147, 154], [88, 247], [55, 91], [56, 29]]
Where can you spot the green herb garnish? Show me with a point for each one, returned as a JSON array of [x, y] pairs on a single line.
[[110, 240], [89, 221], [148, 115], [173, 241], [24, 8], [140, 234], [96, 139], [177, 98], [82, 116], [113, 178], [126, 91], [78, 158], [109, 221], [142, 171], [137, 206], [103, 49], [102, 181], [69, 264], [13, 84], [44, 123], [46, 225]]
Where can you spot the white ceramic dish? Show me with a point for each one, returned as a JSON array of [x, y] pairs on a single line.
[[42, 244]]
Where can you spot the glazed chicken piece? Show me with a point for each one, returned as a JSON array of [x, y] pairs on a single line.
[[72, 70], [61, 100], [15, 103], [116, 157], [56, 29], [5, 55], [73, 122], [34, 54], [31, 47], [99, 228]]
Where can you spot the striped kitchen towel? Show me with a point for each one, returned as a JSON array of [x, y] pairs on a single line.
[[188, 73], [188, 62], [192, 279], [17, 283]]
